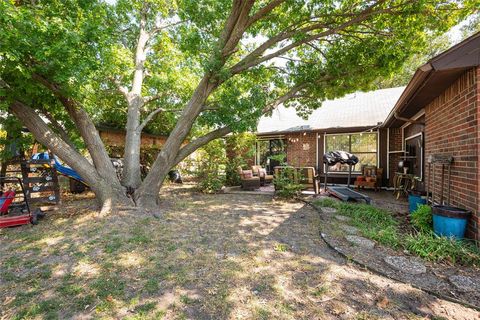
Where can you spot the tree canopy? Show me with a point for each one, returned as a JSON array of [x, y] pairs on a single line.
[[180, 67]]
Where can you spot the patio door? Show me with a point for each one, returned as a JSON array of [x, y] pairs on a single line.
[[415, 155]]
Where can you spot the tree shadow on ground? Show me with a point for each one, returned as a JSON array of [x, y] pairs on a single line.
[[208, 257]]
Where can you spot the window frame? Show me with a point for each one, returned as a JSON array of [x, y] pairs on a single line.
[[349, 134]]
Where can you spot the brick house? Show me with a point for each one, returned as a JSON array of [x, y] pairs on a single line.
[[439, 114], [351, 123]]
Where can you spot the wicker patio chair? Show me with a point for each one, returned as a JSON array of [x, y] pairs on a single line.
[[249, 182], [258, 171]]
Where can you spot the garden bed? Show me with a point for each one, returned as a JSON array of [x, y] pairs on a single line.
[[447, 267]]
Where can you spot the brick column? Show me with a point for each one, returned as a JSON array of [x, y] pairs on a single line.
[[476, 219]]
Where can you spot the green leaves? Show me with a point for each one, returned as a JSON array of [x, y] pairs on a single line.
[[88, 49]]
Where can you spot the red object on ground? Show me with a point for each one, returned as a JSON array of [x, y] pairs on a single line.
[[21, 214], [15, 221], [19, 220], [8, 196]]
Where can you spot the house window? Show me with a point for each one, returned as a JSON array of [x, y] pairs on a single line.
[[363, 145]]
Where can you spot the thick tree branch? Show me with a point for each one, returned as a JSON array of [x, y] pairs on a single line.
[[189, 148], [255, 57], [48, 138], [131, 171], [264, 11], [140, 56], [57, 126], [235, 26], [85, 126]]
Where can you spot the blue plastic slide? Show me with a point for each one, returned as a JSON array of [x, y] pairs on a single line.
[[64, 170]]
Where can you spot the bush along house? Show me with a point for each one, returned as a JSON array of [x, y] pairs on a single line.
[[437, 115]]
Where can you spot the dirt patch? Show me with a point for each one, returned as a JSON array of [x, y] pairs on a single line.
[[224, 256]]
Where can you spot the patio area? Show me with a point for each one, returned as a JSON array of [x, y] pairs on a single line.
[[383, 198]]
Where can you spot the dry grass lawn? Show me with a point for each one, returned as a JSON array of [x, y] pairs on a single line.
[[209, 257]]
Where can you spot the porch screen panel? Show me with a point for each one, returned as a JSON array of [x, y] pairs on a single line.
[[263, 148], [363, 145], [268, 148]]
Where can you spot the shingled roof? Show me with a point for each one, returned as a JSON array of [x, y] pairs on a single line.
[[360, 109]]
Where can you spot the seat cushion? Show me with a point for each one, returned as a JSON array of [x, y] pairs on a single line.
[[247, 174]]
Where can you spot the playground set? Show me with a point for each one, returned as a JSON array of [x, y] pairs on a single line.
[[31, 183]]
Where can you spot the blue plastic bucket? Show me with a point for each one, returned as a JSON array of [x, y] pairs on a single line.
[[414, 200], [450, 221]]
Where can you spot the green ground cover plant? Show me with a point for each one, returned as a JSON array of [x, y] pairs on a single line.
[[380, 225], [422, 218]]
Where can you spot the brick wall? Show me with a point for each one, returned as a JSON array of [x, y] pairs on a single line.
[[395, 143], [117, 138], [476, 219], [451, 128], [301, 149]]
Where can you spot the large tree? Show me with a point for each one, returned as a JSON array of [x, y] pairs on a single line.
[[217, 64]]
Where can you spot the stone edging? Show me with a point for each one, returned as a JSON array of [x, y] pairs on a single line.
[[383, 274]]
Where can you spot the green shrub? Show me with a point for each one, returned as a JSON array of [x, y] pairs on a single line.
[[241, 148], [285, 185], [280, 158], [422, 218], [211, 182], [442, 249], [209, 167], [379, 225]]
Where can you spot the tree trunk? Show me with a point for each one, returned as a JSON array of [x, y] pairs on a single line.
[[110, 199], [131, 171], [109, 194], [147, 194]]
